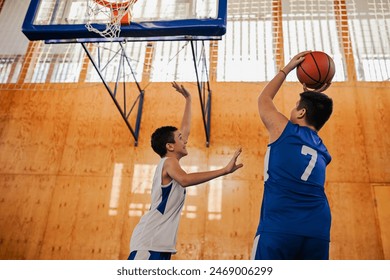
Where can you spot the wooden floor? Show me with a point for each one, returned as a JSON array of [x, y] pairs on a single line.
[[73, 185]]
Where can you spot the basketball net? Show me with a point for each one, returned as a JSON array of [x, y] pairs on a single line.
[[116, 13]]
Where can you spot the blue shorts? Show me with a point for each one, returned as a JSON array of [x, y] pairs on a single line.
[[278, 246], [149, 255]]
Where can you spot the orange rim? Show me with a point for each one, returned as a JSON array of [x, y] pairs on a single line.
[[113, 6]]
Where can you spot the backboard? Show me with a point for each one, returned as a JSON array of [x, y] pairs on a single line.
[[65, 20]]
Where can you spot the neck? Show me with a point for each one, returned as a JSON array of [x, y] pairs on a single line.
[[304, 123], [173, 155]]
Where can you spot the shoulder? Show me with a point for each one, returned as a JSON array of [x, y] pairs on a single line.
[[169, 168], [170, 162], [279, 129], [274, 121]]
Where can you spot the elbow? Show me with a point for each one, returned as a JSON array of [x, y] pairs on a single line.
[[261, 98], [186, 182], [260, 101]]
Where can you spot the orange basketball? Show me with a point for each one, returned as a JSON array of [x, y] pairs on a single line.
[[317, 69]]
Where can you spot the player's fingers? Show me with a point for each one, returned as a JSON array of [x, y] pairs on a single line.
[[303, 53], [237, 166], [300, 56], [237, 153], [324, 87], [327, 86], [184, 91], [176, 86]]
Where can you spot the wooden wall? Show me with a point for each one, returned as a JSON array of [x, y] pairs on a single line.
[[73, 185]]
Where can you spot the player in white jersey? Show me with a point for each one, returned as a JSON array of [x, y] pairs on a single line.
[[154, 237]]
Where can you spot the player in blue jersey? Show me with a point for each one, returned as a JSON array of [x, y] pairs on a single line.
[[154, 237], [295, 217]]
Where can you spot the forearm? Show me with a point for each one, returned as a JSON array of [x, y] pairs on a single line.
[[186, 120], [192, 179], [274, 85]]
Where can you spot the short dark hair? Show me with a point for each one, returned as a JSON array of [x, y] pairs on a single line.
[[318, 107], [160, 137]]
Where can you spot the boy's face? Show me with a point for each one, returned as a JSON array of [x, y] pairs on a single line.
[[180, 144]]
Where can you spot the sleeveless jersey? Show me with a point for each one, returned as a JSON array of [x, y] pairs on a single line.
[[294, 199], [157, 229]]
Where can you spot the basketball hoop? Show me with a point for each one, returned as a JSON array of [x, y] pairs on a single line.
[[117, 13]]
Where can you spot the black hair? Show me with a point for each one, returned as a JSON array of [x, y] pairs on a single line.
[[160, 137], [318, 107]]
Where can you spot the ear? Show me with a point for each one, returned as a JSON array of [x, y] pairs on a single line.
[[169, 147], [301, 113]]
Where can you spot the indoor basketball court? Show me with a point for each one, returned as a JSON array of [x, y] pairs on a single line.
[[85, 83]]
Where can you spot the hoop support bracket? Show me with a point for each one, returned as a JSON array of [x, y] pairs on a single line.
[[204, 90], [202, 80], [121, 106]]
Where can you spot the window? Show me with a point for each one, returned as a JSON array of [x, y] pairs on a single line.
[[117, 64], [173, 61], [311, 25], [13, 45], [369, 24], [60, 63], [248, 44]]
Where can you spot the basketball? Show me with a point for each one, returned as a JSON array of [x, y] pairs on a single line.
[[317, 69]]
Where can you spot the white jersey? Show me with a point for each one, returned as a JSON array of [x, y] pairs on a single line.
[[157, 229]]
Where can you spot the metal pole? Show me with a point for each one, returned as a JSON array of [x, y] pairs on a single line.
[[110, 91]]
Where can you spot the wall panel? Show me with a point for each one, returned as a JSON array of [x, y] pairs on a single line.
[[354, 233], [24, 206]]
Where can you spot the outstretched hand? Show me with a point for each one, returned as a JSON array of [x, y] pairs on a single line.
[[295, 61], [232, 165], [182, 90]]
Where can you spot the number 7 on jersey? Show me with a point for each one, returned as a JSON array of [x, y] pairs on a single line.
[[304, 151], [309, 168]]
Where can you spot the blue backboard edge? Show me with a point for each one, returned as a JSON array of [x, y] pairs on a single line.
[[153, 29]]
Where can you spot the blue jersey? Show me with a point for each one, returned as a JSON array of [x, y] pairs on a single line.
[[294, 200]]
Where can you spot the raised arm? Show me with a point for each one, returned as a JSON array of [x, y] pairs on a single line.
[[274, 121], [185, 126], [174, 171]]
